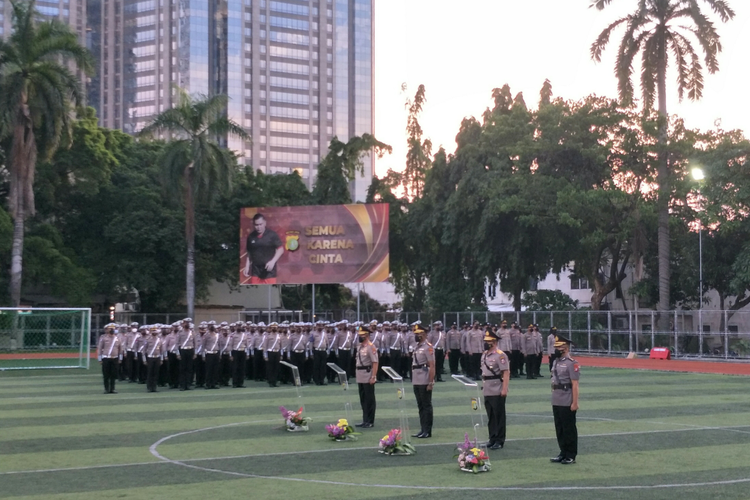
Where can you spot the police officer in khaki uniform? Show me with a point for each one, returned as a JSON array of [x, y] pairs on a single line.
[[272, 346], [531, 348], [318, 343], [225, 354], [238, 355], [454, 348], [495, 374], [367, 369], [186, 345], [565, 375], [109, 353], [154, 350], [423, 379], [213, 357], [438, 339], [551, 346]]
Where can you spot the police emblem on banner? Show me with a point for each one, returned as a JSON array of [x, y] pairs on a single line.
[[474, 404], [292, 241]]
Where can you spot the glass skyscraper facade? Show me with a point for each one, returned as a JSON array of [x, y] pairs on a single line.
[[297, 72]]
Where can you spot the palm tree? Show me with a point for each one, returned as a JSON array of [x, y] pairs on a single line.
[[658, 30], [38, 92], [193, 162]]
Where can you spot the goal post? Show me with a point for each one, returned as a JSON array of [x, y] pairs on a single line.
[[45, 337]]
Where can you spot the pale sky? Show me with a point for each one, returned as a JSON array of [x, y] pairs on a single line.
[[461, 50]]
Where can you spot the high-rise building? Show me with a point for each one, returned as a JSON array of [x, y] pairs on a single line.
[[71, 12], [297, 72]]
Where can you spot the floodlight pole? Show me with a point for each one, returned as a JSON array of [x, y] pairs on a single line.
[[313, 303]]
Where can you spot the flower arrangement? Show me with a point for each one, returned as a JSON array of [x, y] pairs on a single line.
[[295, 422], [341, 431], [471, 458], [393, 444]]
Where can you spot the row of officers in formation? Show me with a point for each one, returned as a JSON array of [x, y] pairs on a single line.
[[215, 354], [179, 356]]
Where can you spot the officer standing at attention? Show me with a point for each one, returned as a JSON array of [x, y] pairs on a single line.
[[454, 348], [211, 351], [438, 340], [551, 346], [109, 354], [154, 355], [238, 356], [423, 379], [367, 369], [495, 375], [516, 357], [565, 375], [272, 353], [318, 342], [186, 345]]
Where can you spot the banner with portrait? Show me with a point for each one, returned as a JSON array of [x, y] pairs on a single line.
[[314, 244]]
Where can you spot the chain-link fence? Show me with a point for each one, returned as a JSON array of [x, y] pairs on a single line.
[[707, 333]]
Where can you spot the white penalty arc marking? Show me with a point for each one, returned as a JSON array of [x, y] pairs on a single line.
[[183, 463]]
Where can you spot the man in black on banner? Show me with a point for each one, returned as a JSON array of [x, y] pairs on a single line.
[[264, 249]]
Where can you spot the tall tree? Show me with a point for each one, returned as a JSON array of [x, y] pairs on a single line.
[[418, 151], [656, 29], [193, 163], [38, 91]]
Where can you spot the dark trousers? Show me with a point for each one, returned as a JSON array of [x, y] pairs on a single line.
[[152, 373], [531, 360], [272, 368], [109, 372], [332, 358], [405, 365], [141, 362], [385, 360], [174, 370], [186, 368], [259, 367], [163, 374], [238, 368], [538, 365], [319, 367], [298, 360], [516, 362], [285, 373], [476, 359], [551, 360], [367, 400], [132, 367], [495, 406], [566, 430], [345, 360], [396, 360], [424, 404], [199, 367], [466, 364], [225, 370], [453, 356], [439, 363], [249, 366], [212, 370]]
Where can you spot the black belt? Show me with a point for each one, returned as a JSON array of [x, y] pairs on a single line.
[[418, 366], [365, 368], [492, 377], [563, 387], [321, 350], [153, 357]]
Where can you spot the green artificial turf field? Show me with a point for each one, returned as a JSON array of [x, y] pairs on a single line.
[[642, 435]]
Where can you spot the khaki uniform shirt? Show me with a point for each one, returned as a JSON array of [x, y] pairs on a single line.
[[141, 343], [273, 342], [516, 338], [531, 344], [454, 339], [298, 342], [564, 371], [171, 340], [367, 354], [550, 344], [211, 342], [185, 339], [437, 339], [346, 340], [154, 347], [225, 344], [424, 353], [109, 347], [239, 341], [395, 341], [130, 340], [318, 340], [504, 344], [476, 341], [493, 363]]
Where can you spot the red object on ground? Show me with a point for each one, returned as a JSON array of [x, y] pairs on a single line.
[[660, 353]]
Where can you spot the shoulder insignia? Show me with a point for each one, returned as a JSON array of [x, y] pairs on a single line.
[[374, 350], [502, 359], [576, 367], [430, 350]]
